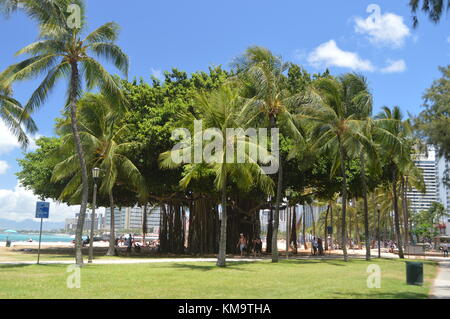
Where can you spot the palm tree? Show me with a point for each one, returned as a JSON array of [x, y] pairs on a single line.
[[336, 130], [13, 115], [60, 52], [397, 152], [262, 80], [359, 99], [103, 138], [433, 8], [223, 109]]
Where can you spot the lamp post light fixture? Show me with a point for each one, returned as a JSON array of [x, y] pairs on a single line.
[[378, 231], [95, 176]]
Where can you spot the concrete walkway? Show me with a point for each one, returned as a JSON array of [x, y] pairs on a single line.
[[441, 285]]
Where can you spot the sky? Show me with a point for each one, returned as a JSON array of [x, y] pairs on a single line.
[[375, 39]]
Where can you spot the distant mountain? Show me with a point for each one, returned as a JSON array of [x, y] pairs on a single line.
[[29, 224]]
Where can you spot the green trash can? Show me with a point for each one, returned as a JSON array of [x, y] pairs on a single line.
[[414, 273]]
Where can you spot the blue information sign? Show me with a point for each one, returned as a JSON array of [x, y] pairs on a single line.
[[42, 209]]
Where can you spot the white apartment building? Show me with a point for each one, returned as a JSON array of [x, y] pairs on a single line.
[[427, 163]]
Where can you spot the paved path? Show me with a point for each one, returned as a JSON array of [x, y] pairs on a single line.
[[441, 285]]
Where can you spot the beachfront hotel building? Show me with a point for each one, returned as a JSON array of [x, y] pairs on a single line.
[[131, 218], [434, 169], [70, 224], [427, 162]]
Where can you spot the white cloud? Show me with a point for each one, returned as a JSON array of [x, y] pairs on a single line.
[[386, 29], [19, 204], [396, 66], [329, 54], [157, 73], [8, 142], [3, 167]]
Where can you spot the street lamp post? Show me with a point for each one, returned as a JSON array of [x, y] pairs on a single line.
[[95, 175], [378, 231]]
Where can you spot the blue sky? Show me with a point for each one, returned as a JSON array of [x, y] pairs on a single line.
[[399, 62]]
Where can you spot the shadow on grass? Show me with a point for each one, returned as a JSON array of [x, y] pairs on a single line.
[[382, 295], [314, 261], [19, 265], [230, 266]]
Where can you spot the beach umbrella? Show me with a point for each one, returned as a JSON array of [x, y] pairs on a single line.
[[10, 231]]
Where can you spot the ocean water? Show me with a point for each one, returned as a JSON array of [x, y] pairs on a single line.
[[34, 237]]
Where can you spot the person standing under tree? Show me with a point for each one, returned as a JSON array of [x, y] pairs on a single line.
[[242, 244]]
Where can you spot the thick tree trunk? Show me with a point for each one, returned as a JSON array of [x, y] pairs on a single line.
[[294, 228], [223, 224], [366, 207], [331, 224], [73, 96], [344, 201], [396, 215], [112, 236]]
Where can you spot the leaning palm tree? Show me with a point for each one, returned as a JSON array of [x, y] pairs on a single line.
[[222, 110], [260, 75], [14, 117], [61, 52], [103, 137], [336, 131]]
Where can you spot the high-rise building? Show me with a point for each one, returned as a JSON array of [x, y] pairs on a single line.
[[443, 167], [71, 223], [132, 218], [427, 163]]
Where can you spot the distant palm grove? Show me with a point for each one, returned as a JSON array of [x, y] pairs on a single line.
[[334, 151]]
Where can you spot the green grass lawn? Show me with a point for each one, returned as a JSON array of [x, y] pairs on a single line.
[[287, 279]]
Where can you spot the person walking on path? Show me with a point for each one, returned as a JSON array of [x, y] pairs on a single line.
[[129, 243], [242, 244]]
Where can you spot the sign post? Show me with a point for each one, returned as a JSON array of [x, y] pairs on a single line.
[[42, 211]]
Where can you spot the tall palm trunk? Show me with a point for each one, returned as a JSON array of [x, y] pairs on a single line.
[[144, 224], [223, 224], [366, 206], [112, 236], [325, 227], [313, 220], [276, 216], [74, 88], [344, 200], [304, 228], [396, 215], [405, 210]]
